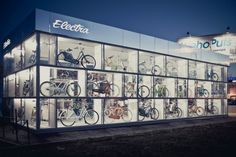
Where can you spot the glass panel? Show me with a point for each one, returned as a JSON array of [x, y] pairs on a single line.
[[191, 89], [26, 83], [18, 58], [192, 69], [203, 89], [8, 63], [174, 108], [78, 112], [30, 111], [56, 82], [47, 113], [120, 111], [213, 73], [181, 88], [47, 49], [148, 110], [102, 84], [150, 63], [10, 85], [201, 68], [130, 85], [213, 107], [29, 51], [161, 87], [195, 108], [176, 67], [120, 59], [78, 53], [145, 86]]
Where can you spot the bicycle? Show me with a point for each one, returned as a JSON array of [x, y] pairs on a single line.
[[155, 70], [160, 90], [194, 110], [58, 86], [32, 58], [117, 111], [116, 67], [202, 92], [103, 87], [145, 110], [211, 109], [87, 61], [172, 110], [27, 88], [212, 75], [130, 89], [78, 111]]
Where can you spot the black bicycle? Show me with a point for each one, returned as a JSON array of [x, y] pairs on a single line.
[[211, 75], [145, 110], [65, 57]]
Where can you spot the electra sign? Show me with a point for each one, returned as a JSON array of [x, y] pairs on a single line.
[[214, 42], [65, 25], [6, 43]]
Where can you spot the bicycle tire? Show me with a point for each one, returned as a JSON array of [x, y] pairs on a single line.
[[86, 59], [215, 77], [142, 69], [206, 93], [69, 87], [156, 70], [127, 113], [180, 112], [113, 88], [140, 89], [215, 110], [91, 88], [154, 111], [63, 121], [199, 111], [51, 85], [90, 113], [141, 116]]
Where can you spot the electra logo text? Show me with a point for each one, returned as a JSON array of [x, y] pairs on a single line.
[[65, 25], [213, 43], [6, 43]]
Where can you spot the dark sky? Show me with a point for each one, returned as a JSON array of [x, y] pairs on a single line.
[[168, 19]]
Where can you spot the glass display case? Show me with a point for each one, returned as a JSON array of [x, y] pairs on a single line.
[[79, 83]]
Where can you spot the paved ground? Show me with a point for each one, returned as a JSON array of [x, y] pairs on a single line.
[[211, 137]]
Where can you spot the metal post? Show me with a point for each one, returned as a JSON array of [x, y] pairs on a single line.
[[28, 131], [16, 128]]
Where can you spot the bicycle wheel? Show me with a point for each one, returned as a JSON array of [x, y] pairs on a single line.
[[215, 77], [112, 90], [156, 70], [88, 62], [154, 113], [165, 92], [191, 113], [200, 111], [205, 93], [142, 69], [141, 114], [143, 91], [91, 117], [73, 89], [47, 88], [127, 115], [214, 110], [67, 118], [177, 113], [92, 89]]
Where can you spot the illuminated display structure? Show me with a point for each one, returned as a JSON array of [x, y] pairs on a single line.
[[63, 73]]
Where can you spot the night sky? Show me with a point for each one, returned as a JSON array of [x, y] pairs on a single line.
[[168, 19]]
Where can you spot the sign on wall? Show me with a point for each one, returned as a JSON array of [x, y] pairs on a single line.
[[223, 44]]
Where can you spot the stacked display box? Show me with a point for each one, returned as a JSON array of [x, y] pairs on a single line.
[[60, 82]]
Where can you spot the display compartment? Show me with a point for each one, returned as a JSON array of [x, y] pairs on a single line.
[[214, 107], [150, 63], [203, 89], [104, 84], [61, 82], [78, 53], [150, 109], [8, 63], [120, 59], [78, 112], [196, 107], [163, 87], [29, 51], [176, 67], [25, 110], [120, 111], [48, 113], [175, 108]]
